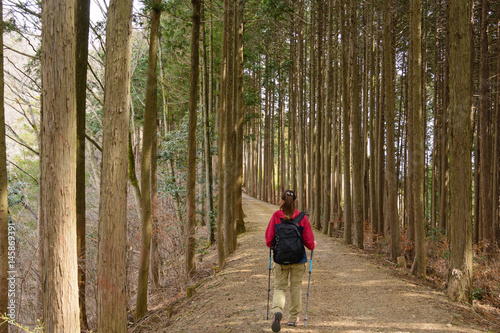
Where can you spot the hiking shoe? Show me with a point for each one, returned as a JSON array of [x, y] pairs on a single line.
[[276, 325], [294, 323]]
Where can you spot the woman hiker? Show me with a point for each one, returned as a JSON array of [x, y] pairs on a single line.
[[287, 233]]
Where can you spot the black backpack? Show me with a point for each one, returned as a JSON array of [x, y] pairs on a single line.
[[288, 247]]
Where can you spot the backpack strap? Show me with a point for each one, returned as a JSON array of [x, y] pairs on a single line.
[[295, 220], [298, 218]]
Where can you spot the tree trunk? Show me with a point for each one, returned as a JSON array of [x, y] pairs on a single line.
[[207, 104], [391, 214], [419, 263], [240, 114], [155, 260], [111, 266], [346, 128], [485, 137], [373, 141], [229, 133], [328, 123], [380, 151], [357, 149], [292, 115], [222, 145], [191, 172], [150, 118], [301, 158], [318, 190], [82, 12], [312, 112], [132, 177], [58, 168], [496, 149], [460, 269], [336, 124]]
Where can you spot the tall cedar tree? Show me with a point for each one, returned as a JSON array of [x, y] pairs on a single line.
[[419, 263], [485, 188], [357, 151], [239, 15], [328, 122], [391, 214], [111, 264], [207, 108], [58, 168], [4, 210], [346, 128], [222, 146], [150, 121], [319, 120], [302, 168], [460, 269], [191, 173], [229, 133], [312, 109], [82, 49], [373, 141]]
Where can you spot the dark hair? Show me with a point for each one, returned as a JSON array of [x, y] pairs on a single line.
[[288, 206]]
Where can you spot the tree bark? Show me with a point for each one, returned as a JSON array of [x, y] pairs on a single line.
[[373, 112], [312, 111], [240, 227], [318, 136], [484, 112], [380, 151], [346, 128], [357, 149], [460, 269], [191, 172], [229, 216], [391, 214], [496, 149], [111, 266], [58, 168], [82, 18], [301, 157], [155, 260], [222, 145], [207, 106], [150, 119], [419, 263], [328, 123]]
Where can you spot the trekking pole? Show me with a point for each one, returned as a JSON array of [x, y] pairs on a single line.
[[269, 284], [308, 284]]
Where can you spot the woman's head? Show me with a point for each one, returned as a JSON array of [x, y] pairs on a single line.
[[288, 204]]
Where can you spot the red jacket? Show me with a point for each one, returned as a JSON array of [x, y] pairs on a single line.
[[304, 226]]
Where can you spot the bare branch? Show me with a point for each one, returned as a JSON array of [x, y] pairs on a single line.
[[21, 53], [28, 174], [94, 142], [18, 140]]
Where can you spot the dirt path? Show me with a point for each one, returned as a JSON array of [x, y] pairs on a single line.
[[349, 293]]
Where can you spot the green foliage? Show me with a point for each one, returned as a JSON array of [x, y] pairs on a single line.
[[277, 9], [435, 233], [478, 294], [251, 97], [6, 320], [173, 152], [16, 193], [151, 5]]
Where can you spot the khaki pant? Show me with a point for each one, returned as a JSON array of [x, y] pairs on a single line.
[[282, 273]]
